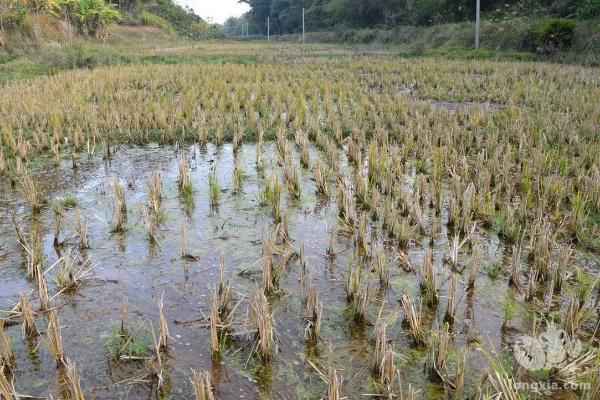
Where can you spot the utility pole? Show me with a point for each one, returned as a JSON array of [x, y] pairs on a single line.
[[304, 26], [477, 23], [268, 28]]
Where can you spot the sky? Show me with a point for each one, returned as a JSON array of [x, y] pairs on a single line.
[[216, 10]]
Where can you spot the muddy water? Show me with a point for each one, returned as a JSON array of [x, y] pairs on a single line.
[[131, 274]]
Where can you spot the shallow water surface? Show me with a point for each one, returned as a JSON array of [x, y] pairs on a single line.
[[131, 274]]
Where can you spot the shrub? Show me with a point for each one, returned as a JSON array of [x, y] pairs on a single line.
[[552, 35], [123, 344], [150, 19], [89, 16], [12, 16], [183, 20], [588, 9], [364, 36]]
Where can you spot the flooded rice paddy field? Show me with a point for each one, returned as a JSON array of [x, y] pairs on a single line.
[[131, 274]]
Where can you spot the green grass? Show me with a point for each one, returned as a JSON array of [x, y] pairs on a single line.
[[68, 201], [150, 19], [50, 61], [493, 271], [595, 219], [18, 69], [505, 39], [214, 189], [6, 58], [509, 308], [197, 59], [461, 53], [128, 344]]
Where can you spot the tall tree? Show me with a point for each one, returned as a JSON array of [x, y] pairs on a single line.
[[259, 11], [286, 15]]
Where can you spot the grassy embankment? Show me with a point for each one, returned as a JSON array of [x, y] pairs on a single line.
[[501, 40], [48, 49], [45, 46]]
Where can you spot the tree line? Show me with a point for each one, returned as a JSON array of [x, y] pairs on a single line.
[[286, 15]]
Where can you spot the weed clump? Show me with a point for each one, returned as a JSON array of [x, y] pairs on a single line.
[[262, 320], [313, 313], [119, 220], [202, 384], [214, 188]]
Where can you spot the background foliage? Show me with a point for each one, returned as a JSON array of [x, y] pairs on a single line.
[[90, 17], [286, 15]]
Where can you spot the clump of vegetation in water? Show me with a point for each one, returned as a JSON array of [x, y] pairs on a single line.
[[202, 383], [214, 188], [128, 343], [184, 182]]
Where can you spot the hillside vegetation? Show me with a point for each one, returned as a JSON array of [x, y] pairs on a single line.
[[27, 23], [44, 37], [557, 29], [510, 39], [286, 15]]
